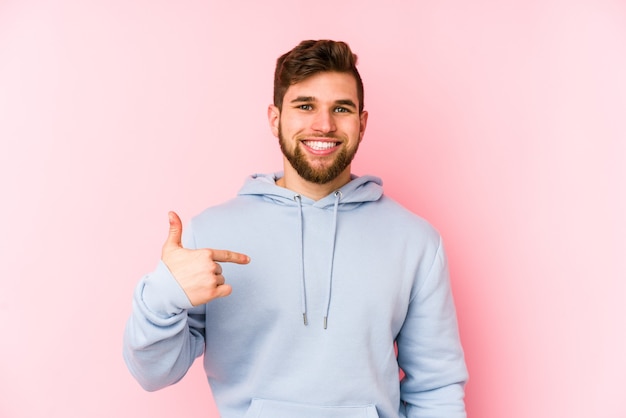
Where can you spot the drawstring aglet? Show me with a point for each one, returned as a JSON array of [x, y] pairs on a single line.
[[325, 322], [304, 317]]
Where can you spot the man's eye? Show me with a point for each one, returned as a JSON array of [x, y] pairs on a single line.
[[305, 107], [341, 110]]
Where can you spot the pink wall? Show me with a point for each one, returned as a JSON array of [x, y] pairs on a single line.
[[501, 122]]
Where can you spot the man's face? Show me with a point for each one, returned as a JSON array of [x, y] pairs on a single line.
[[319, 127]]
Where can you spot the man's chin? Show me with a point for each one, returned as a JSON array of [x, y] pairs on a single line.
[[320, 176], [321, 170]]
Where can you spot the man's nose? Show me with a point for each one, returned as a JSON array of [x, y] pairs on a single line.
[[324, 122]]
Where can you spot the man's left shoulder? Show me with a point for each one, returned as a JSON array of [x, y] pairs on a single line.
[[396, 215]]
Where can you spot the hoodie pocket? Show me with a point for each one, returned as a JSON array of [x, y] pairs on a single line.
[[264, 408]]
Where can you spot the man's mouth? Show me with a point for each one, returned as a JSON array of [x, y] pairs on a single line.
[[320, 145]]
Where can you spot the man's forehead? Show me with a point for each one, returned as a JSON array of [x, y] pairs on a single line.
[[340, 86]]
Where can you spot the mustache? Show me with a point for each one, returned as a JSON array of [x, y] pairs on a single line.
[[337, 138]]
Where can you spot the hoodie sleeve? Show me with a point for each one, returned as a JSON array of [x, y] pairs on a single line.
[[164, 334], [429, 349]]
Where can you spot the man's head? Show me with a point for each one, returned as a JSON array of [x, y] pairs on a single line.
[[310, 58], [318, 113]]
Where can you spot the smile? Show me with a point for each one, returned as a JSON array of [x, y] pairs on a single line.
[[320, 145]]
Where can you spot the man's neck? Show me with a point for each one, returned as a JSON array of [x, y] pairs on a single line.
[[292, 181]]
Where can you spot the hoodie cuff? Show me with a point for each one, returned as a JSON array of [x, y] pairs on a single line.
[[162, 294]]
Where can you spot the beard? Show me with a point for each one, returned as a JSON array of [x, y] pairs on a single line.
[[321, 175]]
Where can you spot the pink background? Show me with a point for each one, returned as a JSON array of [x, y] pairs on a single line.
[[502, 122]]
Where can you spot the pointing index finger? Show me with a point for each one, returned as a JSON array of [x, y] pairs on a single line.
[[230, 257]]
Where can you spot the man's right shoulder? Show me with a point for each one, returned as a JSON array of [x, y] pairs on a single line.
[[221, 212]]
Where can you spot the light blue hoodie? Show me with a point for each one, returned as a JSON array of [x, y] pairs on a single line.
[[310, 327]]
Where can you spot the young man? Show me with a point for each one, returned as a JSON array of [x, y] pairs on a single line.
[[327, 276]]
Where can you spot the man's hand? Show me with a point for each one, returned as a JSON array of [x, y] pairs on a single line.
[[197, 271]]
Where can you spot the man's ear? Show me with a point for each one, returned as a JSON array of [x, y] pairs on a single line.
[[273, 117], [363, 117]]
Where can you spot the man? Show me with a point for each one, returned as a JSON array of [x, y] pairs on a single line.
[[326, 277]]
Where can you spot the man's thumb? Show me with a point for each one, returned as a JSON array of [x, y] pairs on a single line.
[[174, 237]]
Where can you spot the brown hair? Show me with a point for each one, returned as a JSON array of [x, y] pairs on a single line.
[[310, 58]]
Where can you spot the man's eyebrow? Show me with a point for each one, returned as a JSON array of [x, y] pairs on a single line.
[[311, 99], [346, 102], [303, 99]]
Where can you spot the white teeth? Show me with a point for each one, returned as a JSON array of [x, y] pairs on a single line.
[[320, 145]]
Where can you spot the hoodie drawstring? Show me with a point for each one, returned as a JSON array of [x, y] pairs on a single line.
[[333, 239], [298, 199]]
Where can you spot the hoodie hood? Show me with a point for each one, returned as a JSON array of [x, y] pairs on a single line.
[[358, 191]]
